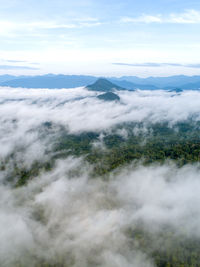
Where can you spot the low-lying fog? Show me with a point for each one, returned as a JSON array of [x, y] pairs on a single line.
[[64, 215]]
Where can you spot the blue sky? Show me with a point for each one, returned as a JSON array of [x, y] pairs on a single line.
[[99, 37]]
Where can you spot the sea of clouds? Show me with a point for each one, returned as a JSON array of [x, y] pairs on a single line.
[[81, 221]]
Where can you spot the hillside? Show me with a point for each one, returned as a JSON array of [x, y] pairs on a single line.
[[104, 85], [109, 97]]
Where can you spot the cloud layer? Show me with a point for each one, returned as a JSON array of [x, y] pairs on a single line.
[[64, 215], [80, 110], [83, 222], [188, 17], [153, 64], [17, 67], [23, 111]]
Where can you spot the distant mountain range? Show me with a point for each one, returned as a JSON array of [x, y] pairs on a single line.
[[52, 81], [162, 82]]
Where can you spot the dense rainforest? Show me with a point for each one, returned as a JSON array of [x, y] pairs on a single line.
[[111, 149], [123, 144]]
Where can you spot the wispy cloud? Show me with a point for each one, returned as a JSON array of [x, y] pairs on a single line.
[[152, 64], [13, 67], [142, 19], [14, 61], [7, 27], [188, 17], [18, 65], [54, 25]]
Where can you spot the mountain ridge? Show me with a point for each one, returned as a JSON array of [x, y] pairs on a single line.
[[59, 81]]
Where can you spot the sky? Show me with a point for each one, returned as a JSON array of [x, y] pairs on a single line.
[[107, 37]]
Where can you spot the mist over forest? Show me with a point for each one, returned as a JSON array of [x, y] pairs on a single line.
[[99, 133], [88, 182]]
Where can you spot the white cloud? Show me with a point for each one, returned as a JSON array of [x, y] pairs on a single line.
[[68, 216], [12, 27], [81, 220], [32, 107], [187, 17], [55, 25], [143, 19]]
